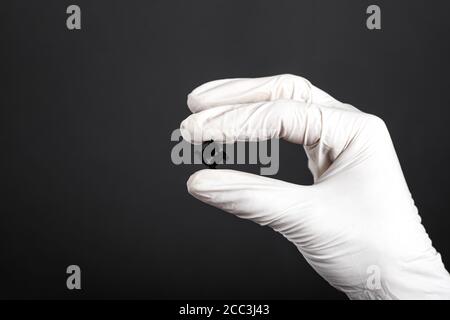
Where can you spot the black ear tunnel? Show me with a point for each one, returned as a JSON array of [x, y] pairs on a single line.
[[211, 159]]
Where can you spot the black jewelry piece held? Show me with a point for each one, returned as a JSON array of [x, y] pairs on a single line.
[[213, 157]]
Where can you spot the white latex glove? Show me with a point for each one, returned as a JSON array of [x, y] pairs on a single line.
[[357, 222]]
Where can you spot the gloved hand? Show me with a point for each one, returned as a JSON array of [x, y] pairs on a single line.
[[357, 225]]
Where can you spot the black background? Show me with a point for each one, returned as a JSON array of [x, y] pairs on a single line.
[[86, 117]]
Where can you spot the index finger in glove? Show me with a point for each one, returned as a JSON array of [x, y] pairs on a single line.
[[251, 90]]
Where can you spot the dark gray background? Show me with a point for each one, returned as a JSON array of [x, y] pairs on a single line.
[[86, 118]]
